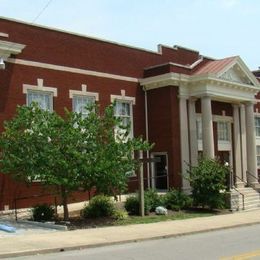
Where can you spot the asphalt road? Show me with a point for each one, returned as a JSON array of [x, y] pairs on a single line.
[[235, 243]]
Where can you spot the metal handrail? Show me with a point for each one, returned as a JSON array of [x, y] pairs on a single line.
[[242, 180], [243, 196]]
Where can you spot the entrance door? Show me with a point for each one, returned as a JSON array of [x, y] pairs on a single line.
[[224, 157], [160, 172]]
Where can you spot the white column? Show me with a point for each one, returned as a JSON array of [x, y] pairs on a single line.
[[185, 160], [250, 143], [207, 128], [243, 141], [193, 133], [237, 146]]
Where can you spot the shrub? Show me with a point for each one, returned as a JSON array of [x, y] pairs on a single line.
[[208, 181], [120, 214], [132, 205], [43, 212], [152, 199], [99, 206], [176, 200]]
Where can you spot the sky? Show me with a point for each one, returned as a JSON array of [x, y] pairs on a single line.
[[216, 28]]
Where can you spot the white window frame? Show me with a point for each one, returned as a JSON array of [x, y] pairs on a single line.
[[223, 132], [84, 113], [40, 89], [130, 116], [41, 93], [199, 128], [258, 156], [257, 127], [126, 99], [82, 93]]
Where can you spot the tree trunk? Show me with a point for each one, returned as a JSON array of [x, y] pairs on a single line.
[[64, 197]]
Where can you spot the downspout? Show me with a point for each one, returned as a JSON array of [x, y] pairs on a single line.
[[147, 137]]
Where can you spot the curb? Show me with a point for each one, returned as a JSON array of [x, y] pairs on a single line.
[[48, 225], [71, 248]]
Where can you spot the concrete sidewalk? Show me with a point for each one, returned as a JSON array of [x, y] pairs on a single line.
[[30, 244]]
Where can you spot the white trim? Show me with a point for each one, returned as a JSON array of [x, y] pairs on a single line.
[[7, 48], [71, 69], [83, 92], [131, 102], [194, 64], [39, 87], [122, 97], [4, 34]]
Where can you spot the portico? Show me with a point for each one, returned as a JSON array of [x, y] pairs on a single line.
[[203, 128]]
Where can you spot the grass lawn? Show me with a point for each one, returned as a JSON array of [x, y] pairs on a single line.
[[178, 215]]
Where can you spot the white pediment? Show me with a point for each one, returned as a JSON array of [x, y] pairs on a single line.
[[238, 73], [236, 76]]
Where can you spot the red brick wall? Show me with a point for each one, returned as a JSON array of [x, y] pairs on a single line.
[[164, 128], [60, 48]]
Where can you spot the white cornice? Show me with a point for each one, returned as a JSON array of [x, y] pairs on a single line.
[[4, 35], [7, 48], [199, 85]]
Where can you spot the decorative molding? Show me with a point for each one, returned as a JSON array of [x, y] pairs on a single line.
[[236, 75], [122, 97], [39, 87], [7, 48], [83, 92], [4, 35], [71, 70]]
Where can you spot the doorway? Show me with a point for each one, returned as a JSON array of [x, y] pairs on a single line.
[[160, 172]]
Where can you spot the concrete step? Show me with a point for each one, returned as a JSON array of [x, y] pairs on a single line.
[[251, 199], [249, 203], [251, 191]]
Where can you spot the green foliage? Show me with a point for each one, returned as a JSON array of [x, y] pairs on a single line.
[[99, 206], [69, 152], [43, 212], [153, 199], [120, 214], [132, 205], [176, 200], [208, 181]]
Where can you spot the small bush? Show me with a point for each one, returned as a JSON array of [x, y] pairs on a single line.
[[99, 206], [207, 181], [176, 200], [43, 212], [152, 199], [132, 205], [120, 214]]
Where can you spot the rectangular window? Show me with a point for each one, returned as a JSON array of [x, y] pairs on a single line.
[[257, 126], [223, 131], [258, 156], [79, 104], [123, 110], [43, 99], [199, 129]]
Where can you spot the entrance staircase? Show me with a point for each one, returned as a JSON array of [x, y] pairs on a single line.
[[246, 199]]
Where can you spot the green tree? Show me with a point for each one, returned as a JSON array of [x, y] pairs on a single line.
[[208, 183], [69, 152]]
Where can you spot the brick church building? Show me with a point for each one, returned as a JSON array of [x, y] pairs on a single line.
[[186, 103]]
